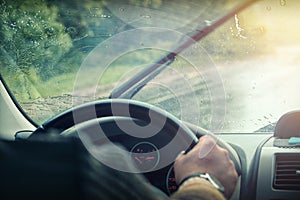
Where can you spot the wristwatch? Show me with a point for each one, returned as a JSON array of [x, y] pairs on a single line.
[[215, 182]]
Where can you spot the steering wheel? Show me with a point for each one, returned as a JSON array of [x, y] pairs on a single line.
[[151, 136]]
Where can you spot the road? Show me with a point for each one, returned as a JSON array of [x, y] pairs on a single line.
[[262, 89]]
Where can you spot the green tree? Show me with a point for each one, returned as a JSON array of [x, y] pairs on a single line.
[[31, 38]]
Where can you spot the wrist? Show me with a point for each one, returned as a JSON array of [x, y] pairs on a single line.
[[201, 178], [194, 181]]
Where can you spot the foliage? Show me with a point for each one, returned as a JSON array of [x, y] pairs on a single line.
[[31, 37]]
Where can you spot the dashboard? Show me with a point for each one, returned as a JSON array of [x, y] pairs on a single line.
[[278, 175], [270, 171]]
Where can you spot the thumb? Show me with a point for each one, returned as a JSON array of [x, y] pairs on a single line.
[[180, 155]]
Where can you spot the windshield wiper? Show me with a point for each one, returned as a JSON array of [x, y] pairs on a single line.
[[128, 89]]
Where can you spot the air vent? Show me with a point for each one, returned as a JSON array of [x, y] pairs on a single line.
[[287, 171]]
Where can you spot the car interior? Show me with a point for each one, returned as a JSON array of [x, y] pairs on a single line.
[[150, 109]]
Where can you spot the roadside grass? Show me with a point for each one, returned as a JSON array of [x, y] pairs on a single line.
[[64, 83]]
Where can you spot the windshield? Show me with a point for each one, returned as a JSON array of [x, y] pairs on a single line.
[[242, 77]]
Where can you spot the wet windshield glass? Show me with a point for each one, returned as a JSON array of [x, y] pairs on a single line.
[[240, 78]]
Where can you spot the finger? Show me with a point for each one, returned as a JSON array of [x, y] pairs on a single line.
[[180, 155]]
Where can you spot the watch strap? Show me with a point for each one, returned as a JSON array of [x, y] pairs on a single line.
[[213, 181]]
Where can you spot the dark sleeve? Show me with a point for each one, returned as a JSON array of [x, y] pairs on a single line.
[[197, 191]]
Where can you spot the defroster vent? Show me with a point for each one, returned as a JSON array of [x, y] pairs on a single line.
[[287, 171]]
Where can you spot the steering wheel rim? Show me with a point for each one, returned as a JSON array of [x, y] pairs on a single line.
[[90, 114], [117, 108], [108, 108], [102, 108], [123, 108]]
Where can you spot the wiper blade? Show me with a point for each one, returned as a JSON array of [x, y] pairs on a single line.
[[124, 92], [131, 92], [128, 89]]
